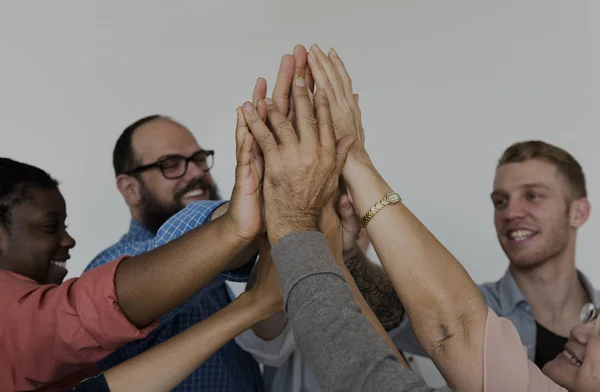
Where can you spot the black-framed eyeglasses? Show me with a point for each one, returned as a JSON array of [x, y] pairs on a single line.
[[175, 166]]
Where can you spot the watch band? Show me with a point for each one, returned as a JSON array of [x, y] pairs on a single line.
[[390, 198]]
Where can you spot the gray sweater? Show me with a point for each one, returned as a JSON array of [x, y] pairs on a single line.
[[343, 349]]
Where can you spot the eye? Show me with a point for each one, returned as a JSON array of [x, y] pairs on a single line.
[[531, 196], [170, 164], [499, 203], [50, 228]]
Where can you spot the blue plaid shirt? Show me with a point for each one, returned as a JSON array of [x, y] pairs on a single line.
[[230, 368]]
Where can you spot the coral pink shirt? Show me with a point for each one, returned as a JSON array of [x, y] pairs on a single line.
[[506, 366], [51, 333]]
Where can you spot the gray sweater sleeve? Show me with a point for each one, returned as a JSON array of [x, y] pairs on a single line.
[[343, 349]]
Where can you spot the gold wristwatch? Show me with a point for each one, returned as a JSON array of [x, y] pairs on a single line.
[[390, 198]]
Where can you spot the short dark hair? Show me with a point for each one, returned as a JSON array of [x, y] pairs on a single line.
[[17, 179], [564, 162], [124, 158]]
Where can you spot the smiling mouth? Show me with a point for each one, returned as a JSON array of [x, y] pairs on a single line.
[[572, 358], [61, 264], [520, 235], [194, 193]]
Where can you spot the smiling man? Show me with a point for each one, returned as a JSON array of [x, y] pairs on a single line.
[[160, 170], [540, 202]]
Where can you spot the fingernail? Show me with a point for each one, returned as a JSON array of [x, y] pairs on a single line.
[[300, 81], [248, 107], [333, 52], [269, 101]]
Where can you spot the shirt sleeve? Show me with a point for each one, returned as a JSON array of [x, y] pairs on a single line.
[[93, 384], [273, 352], [340, 344], [50, 332], [506, 366]]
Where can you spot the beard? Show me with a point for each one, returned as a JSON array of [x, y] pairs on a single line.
[[554, 243], [154, 212]]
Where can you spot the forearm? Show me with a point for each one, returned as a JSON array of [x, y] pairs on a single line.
[[342, 347], [155, 282], [165, 366], [446, 309], [377, 290]]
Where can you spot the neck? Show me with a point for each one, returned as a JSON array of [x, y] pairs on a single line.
[[553, 291]]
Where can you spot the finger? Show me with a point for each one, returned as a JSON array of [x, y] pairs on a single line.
[[243, 147], [260, 91], [320, 76], [282, 127], [342, 72], [283, 84], [324, 121], [332, 75], [341, 151], [263, 136], [300, 55], [306, 122], [358, 113], [261, 107], [241, 129], [310, 81]]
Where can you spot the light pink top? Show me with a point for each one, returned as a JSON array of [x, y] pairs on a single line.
[[49, 332], [506, 366]]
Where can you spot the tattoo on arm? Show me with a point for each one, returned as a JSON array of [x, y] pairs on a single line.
[[377, 289]]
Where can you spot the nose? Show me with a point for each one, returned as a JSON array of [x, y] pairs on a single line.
[[514, 210], [67, 241], [194, 171]]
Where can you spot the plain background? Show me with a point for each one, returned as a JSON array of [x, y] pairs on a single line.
[[445, 87]]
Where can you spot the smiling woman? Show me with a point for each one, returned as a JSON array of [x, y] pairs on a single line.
[[33, 237]]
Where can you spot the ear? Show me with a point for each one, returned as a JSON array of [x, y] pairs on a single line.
[[4, 240], [579, 212], [130, 188]]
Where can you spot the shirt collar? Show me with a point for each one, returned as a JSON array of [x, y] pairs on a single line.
[[138, 232], [511, 295]]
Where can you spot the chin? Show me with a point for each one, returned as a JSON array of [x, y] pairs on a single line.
[[559, 372]]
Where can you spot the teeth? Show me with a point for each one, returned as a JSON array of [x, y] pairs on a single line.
[[571, 358], [194, 193], [62, 264], [520, 235]]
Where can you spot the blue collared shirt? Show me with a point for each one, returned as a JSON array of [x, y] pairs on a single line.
[[230, 368], [506, 299]]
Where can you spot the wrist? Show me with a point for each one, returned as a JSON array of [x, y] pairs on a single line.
[[290, 224], [261, 306]]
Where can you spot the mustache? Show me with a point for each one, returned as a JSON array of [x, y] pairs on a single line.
[[195, 184]]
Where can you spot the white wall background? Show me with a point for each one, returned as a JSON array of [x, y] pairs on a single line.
[[445, 86]]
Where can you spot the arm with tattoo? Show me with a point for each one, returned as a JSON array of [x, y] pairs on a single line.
[[370, 278]]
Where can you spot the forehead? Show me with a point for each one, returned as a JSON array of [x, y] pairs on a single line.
[[162, 137], [39, 203], [516, 175]]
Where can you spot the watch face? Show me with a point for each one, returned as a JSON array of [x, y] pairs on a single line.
[[394, 197]]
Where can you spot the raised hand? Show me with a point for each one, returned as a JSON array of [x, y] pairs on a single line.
[[302, 170], [330, 75], [245, 209], [266, 285]]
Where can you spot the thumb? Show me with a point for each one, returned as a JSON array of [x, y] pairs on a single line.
[[341, 150]]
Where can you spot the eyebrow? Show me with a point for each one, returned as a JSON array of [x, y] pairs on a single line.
[[523, 186]]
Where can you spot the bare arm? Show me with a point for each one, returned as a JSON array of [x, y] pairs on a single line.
[[447, 311], [377, 290], [331, 227], [156, 282], [374, 285], [166, 365]]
